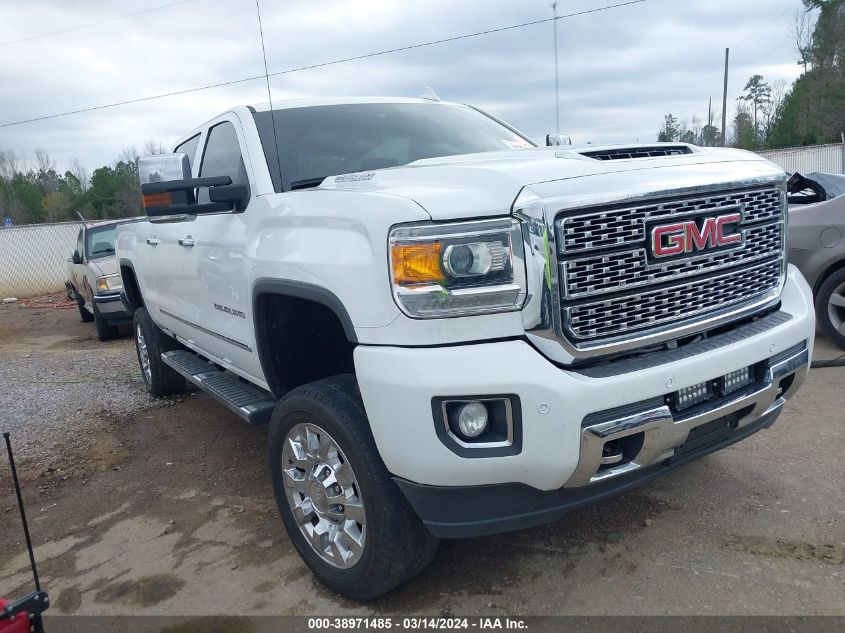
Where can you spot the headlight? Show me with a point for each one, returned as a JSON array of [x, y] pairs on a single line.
[[457, 269], [109, 283]]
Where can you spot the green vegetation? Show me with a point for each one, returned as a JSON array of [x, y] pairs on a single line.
[[810, 112], [33, 191]]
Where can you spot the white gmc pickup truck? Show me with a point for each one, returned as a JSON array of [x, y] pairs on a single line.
[[451, 331]]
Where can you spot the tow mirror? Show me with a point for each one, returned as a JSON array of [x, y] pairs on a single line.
[[553, 140], [169, 193], [164, 168]]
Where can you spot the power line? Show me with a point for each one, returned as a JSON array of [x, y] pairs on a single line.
[[767, 23], [130, 101], [324, 64], [90, 24], [754, 59], [457, 37]]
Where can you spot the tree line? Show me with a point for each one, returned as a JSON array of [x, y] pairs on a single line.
[[33, 191], [773, 115]]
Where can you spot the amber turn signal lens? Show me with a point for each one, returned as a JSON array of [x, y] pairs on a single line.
[[158, 199], [417, 263], [102, 284]]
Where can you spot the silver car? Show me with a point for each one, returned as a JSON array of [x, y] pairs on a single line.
[[94, 279], [817, 246]]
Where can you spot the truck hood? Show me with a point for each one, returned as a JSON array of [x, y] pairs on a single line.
[[482, 185], [103, 265]]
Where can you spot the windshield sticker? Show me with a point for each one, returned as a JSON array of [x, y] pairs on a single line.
[[359, 177], [516, 144]]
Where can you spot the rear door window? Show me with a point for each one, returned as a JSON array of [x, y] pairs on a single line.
[[222, 157]]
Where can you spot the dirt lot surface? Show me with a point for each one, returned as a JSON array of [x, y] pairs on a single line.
[[165, 507]]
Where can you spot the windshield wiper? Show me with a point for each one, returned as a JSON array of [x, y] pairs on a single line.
[[306, 183]]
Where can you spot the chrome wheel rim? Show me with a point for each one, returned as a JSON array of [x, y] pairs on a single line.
[[836, 308], [323, 495], [143, 353]]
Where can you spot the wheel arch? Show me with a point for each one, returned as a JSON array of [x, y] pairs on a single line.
[[310, 316], [830, 269], [131, 290]]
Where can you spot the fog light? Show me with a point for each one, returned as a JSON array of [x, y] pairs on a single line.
[[736, 380], [689, 396], [472, 419]]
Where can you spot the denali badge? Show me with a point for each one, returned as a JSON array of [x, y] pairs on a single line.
[[228, 310], [689, 237]]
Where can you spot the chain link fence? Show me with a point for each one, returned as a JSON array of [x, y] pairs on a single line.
[[829, 159], [33, 258]]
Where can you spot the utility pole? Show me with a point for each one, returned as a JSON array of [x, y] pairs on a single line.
[[725, 101], [553, 5]]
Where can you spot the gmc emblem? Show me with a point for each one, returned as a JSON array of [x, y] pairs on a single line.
[[687, 237]]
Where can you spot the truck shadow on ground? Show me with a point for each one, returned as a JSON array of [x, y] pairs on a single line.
[[177, 503], [176, 515]]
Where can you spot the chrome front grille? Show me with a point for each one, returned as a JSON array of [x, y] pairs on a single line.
[[601, 274], [611, 287], [631, 313], [611, 228]]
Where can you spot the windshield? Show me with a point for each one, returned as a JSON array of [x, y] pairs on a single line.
[[100, 241], [320, 141]]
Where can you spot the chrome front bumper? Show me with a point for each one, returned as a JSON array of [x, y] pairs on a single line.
[[653, 433]]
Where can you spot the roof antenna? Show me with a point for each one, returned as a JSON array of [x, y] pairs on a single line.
[[269, 93], [430, 94], [80, 216]]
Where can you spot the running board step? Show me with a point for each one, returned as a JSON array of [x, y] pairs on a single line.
[[247, 401]]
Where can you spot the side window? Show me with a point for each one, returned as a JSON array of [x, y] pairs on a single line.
[[222, 157], [189, 147]]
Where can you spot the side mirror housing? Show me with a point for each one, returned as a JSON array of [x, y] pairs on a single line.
[[553, 140], [76, 258], [169, 192], [164, 168]]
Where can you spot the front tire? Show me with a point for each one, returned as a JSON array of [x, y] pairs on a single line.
[[150, 343], [830, 307], [105, 332], [343, 512], [86, 316]]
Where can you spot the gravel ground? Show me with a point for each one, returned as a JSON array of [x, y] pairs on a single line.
[[156, 508], [56, 381]]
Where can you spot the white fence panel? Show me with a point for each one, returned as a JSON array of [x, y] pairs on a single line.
[[829, 159], [33, 258]]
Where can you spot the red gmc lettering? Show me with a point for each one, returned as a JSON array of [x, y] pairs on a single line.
[[724, 240], [686, 237], [675, 242]]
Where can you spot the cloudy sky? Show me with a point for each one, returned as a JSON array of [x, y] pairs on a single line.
[[621, 70]]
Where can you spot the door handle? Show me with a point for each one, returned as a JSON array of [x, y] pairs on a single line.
[[187, 241], [152, 241]]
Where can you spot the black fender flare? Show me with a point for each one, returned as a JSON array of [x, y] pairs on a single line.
[[297, 290], [128, 301]]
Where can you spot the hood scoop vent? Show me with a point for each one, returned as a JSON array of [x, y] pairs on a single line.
[[625, 153]]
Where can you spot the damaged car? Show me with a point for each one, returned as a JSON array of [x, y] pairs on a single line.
[[816, 245]]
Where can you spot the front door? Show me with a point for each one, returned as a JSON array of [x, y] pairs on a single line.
[[213, 299], [166, 257]]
